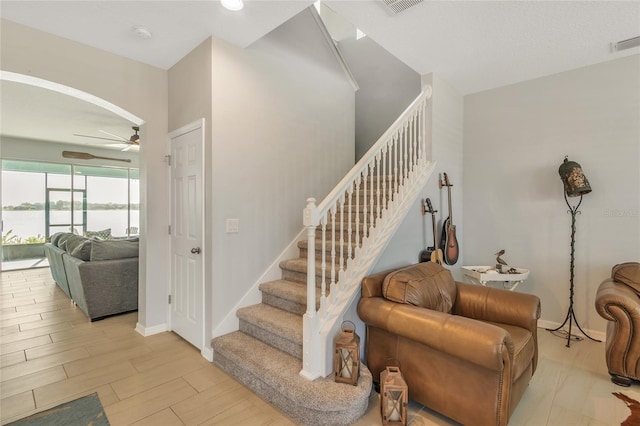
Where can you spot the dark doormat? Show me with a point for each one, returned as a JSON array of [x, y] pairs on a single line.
[[83, 411]]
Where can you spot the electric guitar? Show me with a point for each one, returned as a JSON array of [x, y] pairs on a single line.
[[436, 253], [448, 241], [426, 255]]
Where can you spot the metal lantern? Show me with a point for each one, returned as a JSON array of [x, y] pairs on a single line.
[[574, 180], [346, 359], [394, 394]]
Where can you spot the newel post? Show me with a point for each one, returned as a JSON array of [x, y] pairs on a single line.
[[310, 220]]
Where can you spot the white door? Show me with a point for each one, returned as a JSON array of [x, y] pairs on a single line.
[[187, 250]]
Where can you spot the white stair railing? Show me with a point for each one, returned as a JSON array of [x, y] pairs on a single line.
[[355, 222]]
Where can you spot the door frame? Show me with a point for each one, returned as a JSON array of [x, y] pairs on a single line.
[[205, 349]]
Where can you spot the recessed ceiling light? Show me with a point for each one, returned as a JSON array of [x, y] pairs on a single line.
[[142, 32], [234, 5]]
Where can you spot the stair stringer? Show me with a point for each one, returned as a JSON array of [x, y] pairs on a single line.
[[321, 327]]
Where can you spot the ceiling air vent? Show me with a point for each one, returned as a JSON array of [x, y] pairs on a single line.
[[625, 44], [396, 6]]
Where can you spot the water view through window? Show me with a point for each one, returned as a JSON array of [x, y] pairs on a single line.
[[40, 199]]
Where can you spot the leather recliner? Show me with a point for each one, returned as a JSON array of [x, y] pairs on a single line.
[[466, 351], [618, 301]]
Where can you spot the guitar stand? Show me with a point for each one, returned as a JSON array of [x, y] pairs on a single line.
[[571, 315]]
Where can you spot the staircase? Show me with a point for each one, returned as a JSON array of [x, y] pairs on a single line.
[[283, 348], [250, 355]]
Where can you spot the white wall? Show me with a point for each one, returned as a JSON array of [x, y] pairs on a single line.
[[387, 87], [515, 139], [139, 89], [282, 130]]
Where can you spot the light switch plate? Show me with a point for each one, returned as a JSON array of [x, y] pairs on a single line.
[[233, 226]]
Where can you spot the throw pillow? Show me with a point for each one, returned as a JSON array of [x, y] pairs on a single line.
[[55, 237], [73, 241], [83, 250], [62, 238], [628, 273], [426, 284], [104, 234], [113, 249]]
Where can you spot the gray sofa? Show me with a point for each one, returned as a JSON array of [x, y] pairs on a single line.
[[101, 276]]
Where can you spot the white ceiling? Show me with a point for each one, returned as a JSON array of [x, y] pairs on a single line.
[[474, 45], [35, 113]]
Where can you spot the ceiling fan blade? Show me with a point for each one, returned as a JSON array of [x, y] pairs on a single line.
[[114, 135], [97, 137], [87, 156]]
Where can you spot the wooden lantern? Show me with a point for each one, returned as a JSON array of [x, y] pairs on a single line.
[[346, 359], [394, 395]]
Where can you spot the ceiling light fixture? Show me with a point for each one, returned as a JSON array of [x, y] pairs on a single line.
[[233, 5], [142, 32]]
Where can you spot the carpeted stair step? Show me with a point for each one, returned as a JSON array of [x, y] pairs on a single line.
[[304, 244], [274, 376], [287, 295], [273, 326], [296, 270]]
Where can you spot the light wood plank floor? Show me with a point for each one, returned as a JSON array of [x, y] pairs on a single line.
[[50, 353]]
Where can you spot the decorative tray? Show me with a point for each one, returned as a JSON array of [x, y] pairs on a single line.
[[488, 273]]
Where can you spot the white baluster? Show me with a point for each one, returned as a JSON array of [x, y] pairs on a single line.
[[357, 213], [349, 228], [341, 233], [384, 174], [420, 136], [379, 208], [333, 248], [364, 209], [310, 221], [372, 207], [405, 158], [323, 267], [395, 166]]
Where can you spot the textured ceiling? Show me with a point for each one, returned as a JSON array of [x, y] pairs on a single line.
[[479, 45], [474, 45]]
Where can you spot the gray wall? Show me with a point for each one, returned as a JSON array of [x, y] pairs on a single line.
[[282, 130], [415, 233], [515, 139], [387, 87]]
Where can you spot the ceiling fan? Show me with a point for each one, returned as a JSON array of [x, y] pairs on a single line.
[[133, 141]]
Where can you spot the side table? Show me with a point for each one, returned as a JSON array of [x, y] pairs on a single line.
[[488, 274]]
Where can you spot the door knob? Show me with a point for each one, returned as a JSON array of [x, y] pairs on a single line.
[[195, 250]]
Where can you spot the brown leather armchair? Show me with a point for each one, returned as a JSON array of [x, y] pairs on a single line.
[[466, 351], [618, 301]]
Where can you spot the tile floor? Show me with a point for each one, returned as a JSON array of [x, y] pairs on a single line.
[[50, 353]]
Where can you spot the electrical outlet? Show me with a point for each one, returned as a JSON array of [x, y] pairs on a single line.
[[233, 226]]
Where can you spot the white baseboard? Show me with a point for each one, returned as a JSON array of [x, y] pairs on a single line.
[[207, 353], [253, 296], [150, 331], [600, 335]]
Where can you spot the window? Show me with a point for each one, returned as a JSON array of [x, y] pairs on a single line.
[[40, 199]]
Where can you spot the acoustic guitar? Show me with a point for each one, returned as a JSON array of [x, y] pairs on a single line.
[[448, 240]]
